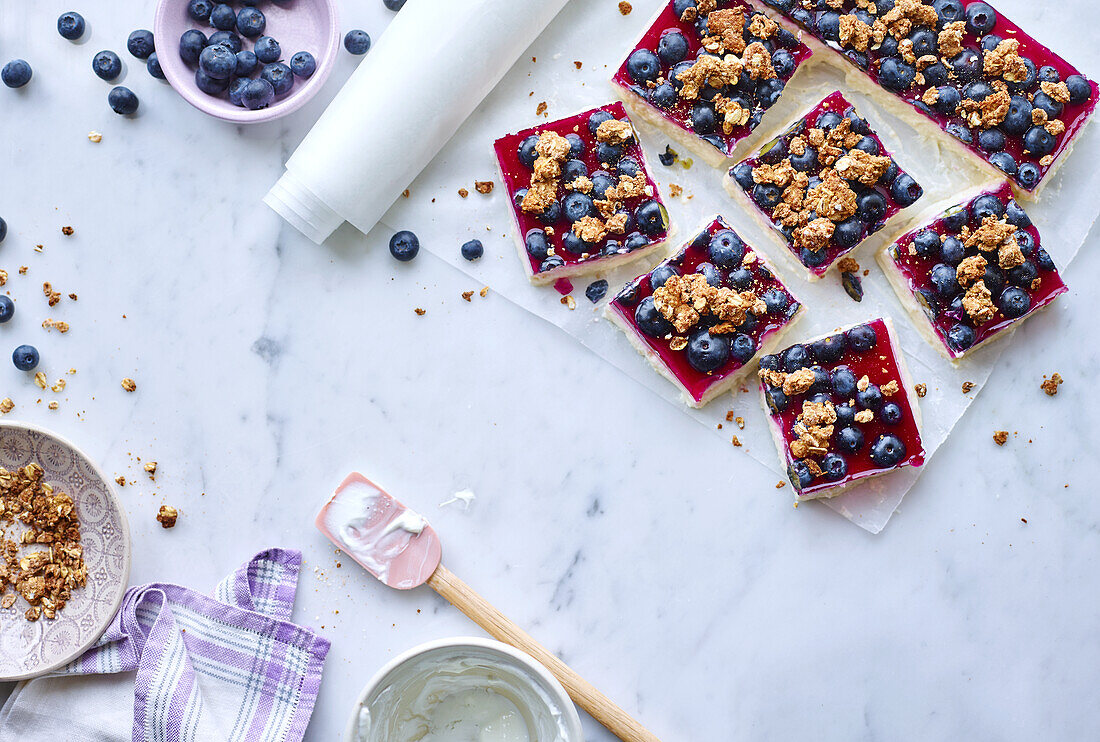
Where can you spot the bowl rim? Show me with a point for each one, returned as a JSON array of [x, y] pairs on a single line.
[[186, 89], [126, 543], [569, 710]]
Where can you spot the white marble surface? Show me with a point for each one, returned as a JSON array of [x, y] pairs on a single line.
[[684, 584]]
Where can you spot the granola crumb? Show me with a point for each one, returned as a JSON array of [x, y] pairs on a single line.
[[1000, 436], [53, 405], [23, 270], [780, 485], [72, 296], [52, 297], [540, 108], [736, 442], [129, 384], [847, 264], [1050, 386], [467, 294], [484, 292], [463, 192], [40, 380], [625, 7], [740, 422], [120, 480], [405, 193], [729, 416], [920, 389], [67, 231], [95, 136], [420, 312], [569, 301], [675, 190], [151, 469], [484, 187], [6, 405], [167, 515], [55, 324], [968, 386], [578, 64]]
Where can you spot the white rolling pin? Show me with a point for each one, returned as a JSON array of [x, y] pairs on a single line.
[[433, 65]]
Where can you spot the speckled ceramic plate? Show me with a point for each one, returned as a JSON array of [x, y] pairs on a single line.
[[29, 648]]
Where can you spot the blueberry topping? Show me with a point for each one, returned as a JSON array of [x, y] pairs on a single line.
[[1025, 242], [576, 145], [199, 10], [967, 65], [634, 241], [1079, 89], [848, 232], [870, 398], [960, 336], [661, 274], [1028, 175], [871, 206], [355, 41], [980, 18], [703, 118], [279, 75], [767, 95], [986, 205], [404, 245], [1039, 142], [849, 439], [628, 166], [1023, 274], [663, 96], [537, 244], [710, 273], [812, 258], [707, 353], [122, 101], [597, 118], [643, 65], [944, 281], [949, 11], [726, 248], [70, 25], [106, 65], [218, 62], [741, 279], [829, 349], [607, 153], [843, 382], [650, 321], [551, 263], [805, 162], [783, 63], [742, 173], [896, 74], [1014, 302], [672, 48], [887, 450], [223, 17], [1016, 216], [766, 195], [526, 151], [1042, 260], [770, 362], [192, 43], [776, 300], [574, 244], [577, 206], [948, 99], [926, 243], [1049, 74], [7, 308], [251, 23], [991, 140], [799, 474], [834, 467], [25, 357], [267, 49], [828, 25], [1045, 103], [596, 290], [651, 218], [861, 338], [795, 357], [904, 190], [1004, 162], [952, 251]]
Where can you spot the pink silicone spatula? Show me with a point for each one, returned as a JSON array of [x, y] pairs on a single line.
[[397, 546]]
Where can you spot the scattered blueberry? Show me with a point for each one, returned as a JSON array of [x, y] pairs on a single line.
[[703, 118], [152, 65], [1016, 216], [7, 308], [766, 195], [596, 290], [650, 321], [223, 17], [597, 118], [861, 338], [107, 65], [303, 64], [849, 439], [552, 262], [1004, 162], [140, 43], [199, 10], [949, 11], [984, 206], [16, 73], [871, 206], [404, 245], [393, 5], [25, 357], [926, 243], [218, 62], [226, 38], [944, 280], [848, 232], [887, 450], [3, 229], [1028, 175], [192, 42], [210, 85], [357, 42], [122, 101], [852, 285], [952, 250], [280, 77], [70, 25], [947, 99], [776, 300], [869, 398], [257, 94], [251, 22]]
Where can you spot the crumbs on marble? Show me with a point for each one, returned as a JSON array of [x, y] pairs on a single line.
[[167, 516], [6, 405], [23, 270], [53, 405], [968, 386], [484, 187], [540, 108], [120, 480], [577, 63], [467, 294], [920, 389], [736, 442], [569, 301], [1000, 437], [405, 193], [52, 297], [129, 384], [780, 485], [1050, 386], [420, 312], [484, 292], [55, 324], [625, 7], [151, 469], [67, 231], [675, 190], [95, 136]]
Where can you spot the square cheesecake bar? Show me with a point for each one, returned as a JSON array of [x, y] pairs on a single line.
[[582, 197], [702, 315], [972, 272], [705, 74], [842, 409], [823, 186], [961, 68]]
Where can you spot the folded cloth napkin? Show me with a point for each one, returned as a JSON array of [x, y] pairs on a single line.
[[177, 665]]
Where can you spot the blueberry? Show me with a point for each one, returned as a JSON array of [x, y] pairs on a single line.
[[651, 218], [871, 206], [70, 25], [844, 382], [573, 169], [868, 145], [904, 190], [889, 47], [218, 62], [849, 439], [829, 349], [852, 285], [7, 308], [1049, 74], [890, 175], [828, 25], [650, 321], [709, 272], [597, 118], [967, 65], [890, 413], [766, 195], [986, 205], [537, 244], [956, 218], [834, 467], [577, 206], [246, 63], [3, 229], [1038, 141], [122, 101], [980, 18], [574, 244], [25, 357], [643, 65], [140, 43], [776, 400], [742, 173], [1042, 260], [672, 47], [887, 450], [770, 362], [16, 73], [812, 258], [267, 49], [703, 118], [767, 95], [279, 75], [152, 66], [663, 96], [896, 74], [1016, 216], [805, 162], [192, 43], [707, 353], [848, 232], [1025, 242], [236, 88], [994, 280], [303, 65], [799, 474], [926, 243], [1014, 302], [991, 140], [257, 94], [795, 357], [551, 263], [393, 5], [251, 23], [1079, 89], [990, 42], [357, 42], [199, 10], [726, 248], [1028, 175], [223, 17], [1004, 162], [783, 63], [594, 292], [924, 41], [1023, 275], [861, 338], [404, 245], [870, 398], [960, 336], [210, 85], [949, 11], [777, 300], [472, 249], [944, 280], [1030, 75], [978, 90], [225, 38], [936, 74], [828, 120], [628, 166], [661, 274], [106, 65], [607, 153], [527, 153]]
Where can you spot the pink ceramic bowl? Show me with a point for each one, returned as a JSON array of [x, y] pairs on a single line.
[[300, 25]]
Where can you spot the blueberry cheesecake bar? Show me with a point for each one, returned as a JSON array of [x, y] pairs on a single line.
[[823, 186], [702, 316], [842, 409], [961, 68], [581, 195], [972, 272], [705, 72]]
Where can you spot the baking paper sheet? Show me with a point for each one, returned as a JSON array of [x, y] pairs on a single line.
[[597, 36]]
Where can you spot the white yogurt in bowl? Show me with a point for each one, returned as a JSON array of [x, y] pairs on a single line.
[[464, 690]]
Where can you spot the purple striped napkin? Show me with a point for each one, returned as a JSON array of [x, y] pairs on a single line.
[[231, 667]]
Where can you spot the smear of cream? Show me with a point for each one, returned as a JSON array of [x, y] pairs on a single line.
[[465, 496]]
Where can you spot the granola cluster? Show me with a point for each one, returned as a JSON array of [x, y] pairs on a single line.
[[32, 515], [684, 300]]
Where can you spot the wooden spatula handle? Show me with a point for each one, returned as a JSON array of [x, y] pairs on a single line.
[[480, 611]]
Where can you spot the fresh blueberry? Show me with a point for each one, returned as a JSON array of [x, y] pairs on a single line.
[[805, 162], [251, 23], [861, 338], [904, 190], [844, 382], [709, 272], [16, 73], [1023, 275], [679, 7], [223, 17], [357, 42], [828, 25], [783, 63], [775, 299], [828, 120], [887, 450], [192, 42], [1079, 89], [527, 153], [924, 41], [152, 66], [303, 65], [279, 75], [574, 244], [663, 96], [994, 279], [890, 413], [573, 169], [1042, 260], [225, 38], [210, 85], [1025, 242], [742, 348], [980, 18], [741, 279], [1015, 215], [404, 245], [628, 166], [726, 248], [672, 47], [7, 308], [829, 349], [870, 398], [799, 474], [122, 101], [812, 258], [834, 467], [936, 74], [537, 244], [473, 249], [956, 218], [25, 357], [949, 11], [608, 153], [595, 290], [70, 25], [707, 353], [576, 145], [3, 229], [944, 280], [795, 357], [236, 88], [106, 65], [776, 400], [597, 118], [199, 10], [257, 94], [990, 42], [845, 414], [896, 74], [991, 140], [890, 175], [849, 439], [1004, 162], [1028, 175], [967, 65], [267, 49], [889, 47], [868, 145], [871, 206], [577, 206], [393, 5], [952, 252], [766, 195], [768, 93], [140, 43], [848, 232], [960, 336], [1045, 103], [1014, 302], [1038, 141], [643, 65], [978, 90], [742, 173], [650, 321], [986, 205], [661, 274], [246, 63], [1049, 74], [218, 62], [552, 262], [703, 118], [926, 243], [651, 218]]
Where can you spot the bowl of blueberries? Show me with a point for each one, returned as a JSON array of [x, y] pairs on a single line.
[[247, 61]]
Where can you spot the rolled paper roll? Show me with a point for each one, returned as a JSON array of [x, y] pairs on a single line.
[[432, 67]]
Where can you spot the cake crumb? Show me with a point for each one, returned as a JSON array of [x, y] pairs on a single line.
[[967, 386], [1050, 386], [167, 516], [55, 324], [780, 484], [920, 389], [467, 294], [6, 405], [847, 265], [736, 442], [151, 469], [463, 192], [577, 63], [53, 405], [67, 231], [569, 301], [129, 384], [625, 7], [120, 480], [484, 187], [484, 292], [95, 136], [540, 108], [1000, 436], [420, 312]]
